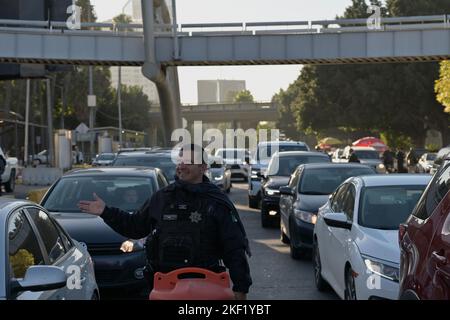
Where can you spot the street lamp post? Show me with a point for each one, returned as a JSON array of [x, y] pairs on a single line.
[[119, 90]]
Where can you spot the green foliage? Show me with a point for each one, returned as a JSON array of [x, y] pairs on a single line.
[[395, 99], [243, 96], [443, 86]]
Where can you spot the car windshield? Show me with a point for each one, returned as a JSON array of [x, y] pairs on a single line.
[[322, 181], [284, 166], [431, 157], [266, 152], [106, 157], [387, 206], [367, 154], [164, 163], [126, 193]]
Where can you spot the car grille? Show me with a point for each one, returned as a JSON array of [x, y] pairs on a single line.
[[101, 249]]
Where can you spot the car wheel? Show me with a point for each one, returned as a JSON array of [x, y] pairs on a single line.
[[350, 289], [95, 296], [253, 202], [296, 253], [283, 237], [319, 281], [266, 222], [11, 184]]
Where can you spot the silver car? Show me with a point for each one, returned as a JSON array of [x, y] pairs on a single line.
[[38, 260]]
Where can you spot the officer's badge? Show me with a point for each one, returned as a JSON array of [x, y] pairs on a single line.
[[195, 217]]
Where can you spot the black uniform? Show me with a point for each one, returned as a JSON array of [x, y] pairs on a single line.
[[190, 225]]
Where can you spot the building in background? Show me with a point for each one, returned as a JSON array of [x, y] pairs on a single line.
[[218, 91]]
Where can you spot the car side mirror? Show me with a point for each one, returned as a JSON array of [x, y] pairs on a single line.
[[337, 220], [286, 191], [40, 278]]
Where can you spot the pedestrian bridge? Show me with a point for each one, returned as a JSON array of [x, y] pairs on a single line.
[[405, 39]]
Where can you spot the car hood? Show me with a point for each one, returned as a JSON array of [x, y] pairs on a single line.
[[311, 203], [381, 244], [276, 182], [87, 228]]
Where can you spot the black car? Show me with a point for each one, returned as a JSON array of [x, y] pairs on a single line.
[[118, 261], [280, 168], [161, 159], [309, 188]]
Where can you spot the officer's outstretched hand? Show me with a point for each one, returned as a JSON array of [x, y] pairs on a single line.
[[95, 207]]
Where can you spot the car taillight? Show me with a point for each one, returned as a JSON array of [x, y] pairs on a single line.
[[402, 231]]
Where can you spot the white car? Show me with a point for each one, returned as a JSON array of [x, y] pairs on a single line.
[[9, 175], [426, 162], [39, 261], [237, 160], [355, 240]]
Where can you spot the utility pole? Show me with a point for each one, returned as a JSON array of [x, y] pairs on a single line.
[[51, 157], [27, 120], [119, 103], [91, 104]]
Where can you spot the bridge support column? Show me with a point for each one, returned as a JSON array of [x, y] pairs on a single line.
[[165, 79]]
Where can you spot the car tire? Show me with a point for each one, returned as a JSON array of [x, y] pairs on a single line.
[[11, 184], [253, 202], [350, 290], [319, 281], [95, 296], [296, 253], [266, 221]]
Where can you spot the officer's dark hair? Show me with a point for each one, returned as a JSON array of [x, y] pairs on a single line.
[[192, 147]]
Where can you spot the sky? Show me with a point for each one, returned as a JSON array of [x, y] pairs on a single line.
[[262, 81]]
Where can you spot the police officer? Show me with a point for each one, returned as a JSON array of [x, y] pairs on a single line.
[[190, 223]]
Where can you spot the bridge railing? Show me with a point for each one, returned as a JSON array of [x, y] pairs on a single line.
[[230, 107], [278, 27]]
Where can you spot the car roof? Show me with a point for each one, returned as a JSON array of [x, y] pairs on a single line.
[[300, 153], [334, 165], [113, 171], [394, 179], [149, 154], [12, 203], [265, 143]]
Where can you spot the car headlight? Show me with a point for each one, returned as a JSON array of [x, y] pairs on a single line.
[[382, 269], [305, 216], [132, 245], [217, 178], [271, 192], [254, 174]]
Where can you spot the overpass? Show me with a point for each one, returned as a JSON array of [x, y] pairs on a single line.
[[214, 113], [157, 47], [403, 39]]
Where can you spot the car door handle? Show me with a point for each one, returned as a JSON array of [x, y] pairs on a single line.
[[438, 258]]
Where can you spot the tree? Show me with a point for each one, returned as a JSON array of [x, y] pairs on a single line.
[[135, 110], [87, 11], [243, 97], [390, 99], [443, 86]]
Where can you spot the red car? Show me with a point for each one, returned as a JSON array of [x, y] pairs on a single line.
[[425, 243]]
